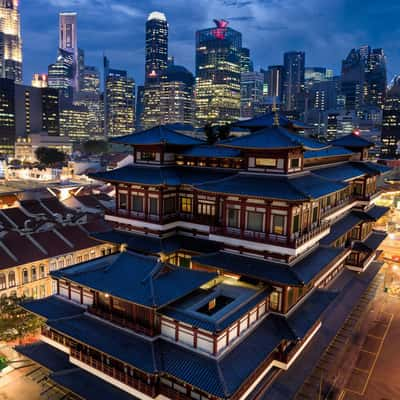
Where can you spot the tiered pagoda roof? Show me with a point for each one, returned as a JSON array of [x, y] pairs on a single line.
[[267, 121], [352, 141], [156, 136]]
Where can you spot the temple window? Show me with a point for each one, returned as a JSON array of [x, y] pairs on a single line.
[[275, 299], [206, 208], [169, 205], [186, 204], [137, 203], [315, 214], [358, 189], [42, 272], [255, 221], [266, 162], [278, 224], [148, 156], [296, 223], [295, 163], [123, 201], [34, 274], [233, 217], [3, 283], [153, 205], [11, 279]]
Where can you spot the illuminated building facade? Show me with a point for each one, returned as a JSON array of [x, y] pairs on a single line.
[[294, 79], [61, 75], [74, 121], [218, 68], [156, 47], [90, 97], [391, 122], [251, 94], [68, 41], [364, 78], [10, 41], [25, 110], [40, 80], [119, 102]]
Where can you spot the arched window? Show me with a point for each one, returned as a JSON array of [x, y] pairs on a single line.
[[11, 279], [34, 273], [25, 276], [42, 272], [3, 283]]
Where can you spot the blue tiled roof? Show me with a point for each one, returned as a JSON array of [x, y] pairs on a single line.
[[352, 141], [299, 187], [215, 326], [152, 175], [267, 120], [315, 263], [342, 226], [45, 355], [136, 278], [330, 151], [87, 386], [157, 135], [380, 168], [153, 245], [301, 273], [118, 343], [374, 240], [275, 137], [346, 171], [53, 307], [377, 212], [211, 151], [309, 312]]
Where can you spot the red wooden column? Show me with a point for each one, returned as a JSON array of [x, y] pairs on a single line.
[[69, 290], [289, 223], [58, 286], [161, 205], [81, 294], [146, 203], [129, 202], [116, 198], [268, 218], [242, 215]]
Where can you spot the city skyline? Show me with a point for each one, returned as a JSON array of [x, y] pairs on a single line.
[[330, 36]]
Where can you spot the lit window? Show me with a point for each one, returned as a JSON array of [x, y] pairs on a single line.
[[278, 224], [11, 279], [3, 284], [265, 162], [25, 276], [295, 163], [123, 201], [186, 204]]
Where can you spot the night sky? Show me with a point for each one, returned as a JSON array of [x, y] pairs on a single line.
[[325, 30]]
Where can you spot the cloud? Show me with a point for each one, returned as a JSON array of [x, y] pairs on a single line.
[[127, 10]]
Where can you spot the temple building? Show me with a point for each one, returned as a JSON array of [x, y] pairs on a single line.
[[227, 257]]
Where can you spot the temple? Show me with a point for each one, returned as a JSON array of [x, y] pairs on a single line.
[[227, 255]]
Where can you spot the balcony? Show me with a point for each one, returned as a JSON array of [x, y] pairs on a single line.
[[270, 238], [121, 321], [112, 372]]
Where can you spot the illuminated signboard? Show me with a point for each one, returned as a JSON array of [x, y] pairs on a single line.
[[220, 31]]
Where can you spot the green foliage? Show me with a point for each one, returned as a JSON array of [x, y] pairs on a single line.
[[210, 134], [48, 156], [95, 147], [15, 322]]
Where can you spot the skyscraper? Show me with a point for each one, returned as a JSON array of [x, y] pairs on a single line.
[[391, 121], [156, 46], [25, 110], [273, 78], [218, 68], [40, 80], [293, 83], [10, 41], [61, 75], [364, 78], [251, 94], [90, 97], [119, 102], [68, 41]]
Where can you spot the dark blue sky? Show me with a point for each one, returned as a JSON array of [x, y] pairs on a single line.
[[326, 30]]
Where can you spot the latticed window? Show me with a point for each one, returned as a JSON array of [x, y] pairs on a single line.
[[3, 283], [11, 279], [34, 273], [25, 276], [186, 204]]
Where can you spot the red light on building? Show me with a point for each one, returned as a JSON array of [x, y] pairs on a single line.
[[153, 74], [357, 132], [221, 29]]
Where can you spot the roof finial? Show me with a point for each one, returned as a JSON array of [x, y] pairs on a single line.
[[275, 111]]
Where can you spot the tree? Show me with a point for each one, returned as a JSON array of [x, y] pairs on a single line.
[[210, 134], [48, 156], [15, 322], [95, 147], [224, 131]]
